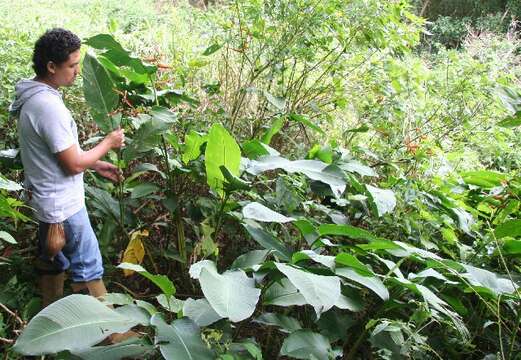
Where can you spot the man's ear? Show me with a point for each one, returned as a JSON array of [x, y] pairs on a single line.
[[51, 68]]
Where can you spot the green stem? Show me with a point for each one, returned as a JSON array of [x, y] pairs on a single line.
[[220, 214]]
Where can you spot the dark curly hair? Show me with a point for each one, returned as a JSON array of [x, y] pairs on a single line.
[[55, 45]]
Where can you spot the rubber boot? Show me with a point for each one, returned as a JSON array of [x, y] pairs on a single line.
[[51, 288]]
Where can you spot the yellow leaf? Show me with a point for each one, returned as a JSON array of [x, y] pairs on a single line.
[[135, 251]]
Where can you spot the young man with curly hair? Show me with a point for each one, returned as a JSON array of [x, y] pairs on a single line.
[[54, 164]]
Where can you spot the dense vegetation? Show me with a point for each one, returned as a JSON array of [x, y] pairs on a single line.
[[303, 179]]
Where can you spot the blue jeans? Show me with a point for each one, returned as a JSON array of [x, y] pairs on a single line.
[[80, 255]]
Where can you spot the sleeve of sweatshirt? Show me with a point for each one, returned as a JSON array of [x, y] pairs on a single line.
[[56, 125]]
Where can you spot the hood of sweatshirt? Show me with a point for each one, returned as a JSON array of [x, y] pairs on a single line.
[[26, 89]]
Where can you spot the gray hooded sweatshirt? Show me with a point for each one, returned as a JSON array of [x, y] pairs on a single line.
[[45, 128]]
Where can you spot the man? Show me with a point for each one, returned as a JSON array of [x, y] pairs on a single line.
[[54, 164]]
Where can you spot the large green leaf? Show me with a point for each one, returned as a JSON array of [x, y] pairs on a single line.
[[73, 323], [162, 281], [286, 324], [266, 239], [283, 293], [181, 340], [489, 280], [371, 282], [321, 292], [232, 294], [7, 237], [250, 259], [305, 344], [484, 178], [6, 184], [510, 228], [349, 231], [99, 92], [259, 212], [512, 247], [221, 150], [135, 348], [135, 69], [193, 142], [200, 311], [314, 169], [384, 200]]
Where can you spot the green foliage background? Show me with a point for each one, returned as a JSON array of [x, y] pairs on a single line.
[[380, 159]]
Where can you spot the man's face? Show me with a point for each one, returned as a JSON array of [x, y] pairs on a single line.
[[66, 72]]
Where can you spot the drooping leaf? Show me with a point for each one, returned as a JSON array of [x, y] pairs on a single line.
[[99, 92], [314, 169], [134, 312], [273, 130], [349, 231], [72, 323], [283, 293], [308, 231], [211, 49], [161, 281], [321, 292], [286, 324], [510, 228], [232, 294], [491, 281], [221, 150], [135, 251], [259, 212], [383, 199], [193, 142], [7, 237], [306, 121], [266, 239], [232, 182], [9, 185], [170, 303], [305, 344], [181, 340], [143, 190], [200, 311], [512, 247], [484, 178], [250, 259], [135, 348], [371, 282], [357, 167]]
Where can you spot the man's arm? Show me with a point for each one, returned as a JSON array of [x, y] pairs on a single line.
[[75, 161]]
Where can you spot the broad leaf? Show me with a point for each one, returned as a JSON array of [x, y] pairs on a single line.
[[72, 323], [161, 281], [304, 344], [200, 311], [314, 169], [250, 259], [221, 150], [7, 237], [193, 142], [128, 349], [371, 282], [266, 239], [286, 324], [181, 340], [135, 251], [283, 294], [321, 292], [510, 228], [383, 199], [259, 212], [484, 178], [232, 294], [99, 92]]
